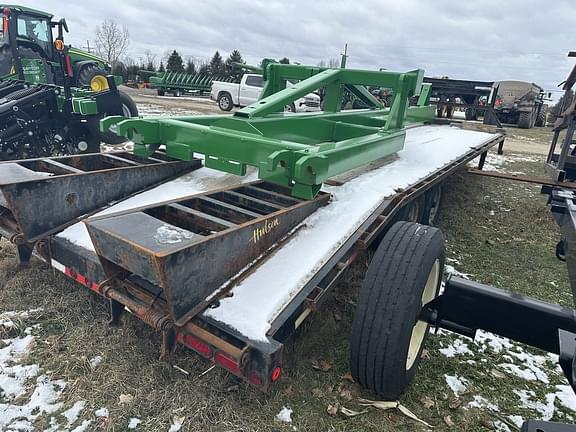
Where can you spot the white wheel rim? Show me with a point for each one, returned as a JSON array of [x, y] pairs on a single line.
[[421, 327]]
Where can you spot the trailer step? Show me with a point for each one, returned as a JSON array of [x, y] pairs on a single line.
[[192, 247], [39, 197]]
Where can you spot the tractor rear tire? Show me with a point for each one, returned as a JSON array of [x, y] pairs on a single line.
[[85, 75], [387, 337], [129, 109], [525, 120]]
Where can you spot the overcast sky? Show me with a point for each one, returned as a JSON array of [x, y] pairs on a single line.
[[483, 40]]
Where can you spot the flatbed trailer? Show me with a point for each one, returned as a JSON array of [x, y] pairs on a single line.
[[244, 330]]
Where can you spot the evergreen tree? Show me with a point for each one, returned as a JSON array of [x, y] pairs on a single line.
[[190, 67], [284, 60], [233, 62], [175, 62], [204, 69], [217, 66], [161, 68], [150, 67]]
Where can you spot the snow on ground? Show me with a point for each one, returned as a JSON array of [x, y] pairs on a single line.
[[95, 361], [452, 271], [458, 347], [457, 384], [133, 423], [28, 393], [538, 371], [481, 402], [285, 415]]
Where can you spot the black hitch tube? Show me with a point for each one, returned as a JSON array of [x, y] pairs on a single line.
[[466, 306]]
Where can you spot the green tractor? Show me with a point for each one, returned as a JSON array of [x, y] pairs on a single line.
[[52, 95]]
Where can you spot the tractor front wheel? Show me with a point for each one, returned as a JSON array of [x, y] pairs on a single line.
[[87, 73], [387, 334]]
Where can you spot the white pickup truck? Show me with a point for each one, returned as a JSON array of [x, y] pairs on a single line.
[[229, 95]]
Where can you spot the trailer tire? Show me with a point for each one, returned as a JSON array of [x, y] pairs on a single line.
[[413, 211], [161, 92], [129, 109], [387, 338], [433, 199], [225, 102], [524, 120], [177, 93], [541, 119]]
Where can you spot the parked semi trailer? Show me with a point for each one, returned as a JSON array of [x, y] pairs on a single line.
[[477, 98], [230, 266], [520, 103]]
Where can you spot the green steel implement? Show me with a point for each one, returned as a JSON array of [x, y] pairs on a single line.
[[296, 150]]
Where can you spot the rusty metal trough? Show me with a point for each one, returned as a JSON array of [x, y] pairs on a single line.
[[191, 247], [39, 197]]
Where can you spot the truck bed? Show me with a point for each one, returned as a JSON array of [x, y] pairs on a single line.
[[258, 300]]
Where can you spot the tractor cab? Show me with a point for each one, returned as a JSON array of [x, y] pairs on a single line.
[[32, 49]]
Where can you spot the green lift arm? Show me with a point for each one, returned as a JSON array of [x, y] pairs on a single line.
[[300, 151]]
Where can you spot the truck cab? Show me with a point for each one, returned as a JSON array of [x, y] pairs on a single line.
[[247, 92]]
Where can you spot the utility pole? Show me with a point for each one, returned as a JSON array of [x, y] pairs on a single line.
[[88, 47]]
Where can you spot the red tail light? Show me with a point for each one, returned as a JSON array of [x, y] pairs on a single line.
[[4, 24], [228, 363], [196, 344]]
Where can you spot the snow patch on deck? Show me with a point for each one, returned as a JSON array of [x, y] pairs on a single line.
[[258, 299]]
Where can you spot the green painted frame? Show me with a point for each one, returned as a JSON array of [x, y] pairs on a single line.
[[296, 150]]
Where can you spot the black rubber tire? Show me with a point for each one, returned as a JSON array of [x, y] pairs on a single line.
[[128, 107], [413, 211], [524, 120], [161, 92], [433, 199], [449, 111], [388, 306], [290, 108], [87, 72], [541, 119], [470, 114], [177, 93], [225, 101]]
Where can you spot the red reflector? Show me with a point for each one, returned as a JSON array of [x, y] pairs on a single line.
[[81, 279], [195, 344], [4, 24], [228, 363], [255, 379], [276, 373]]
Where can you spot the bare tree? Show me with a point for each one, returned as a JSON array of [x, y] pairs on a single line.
[[112, 41], [150, 60]]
